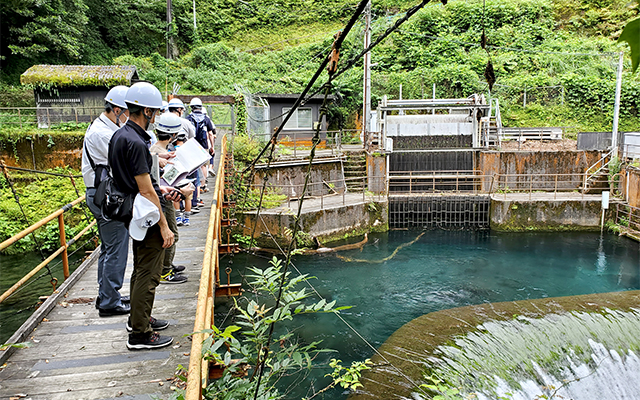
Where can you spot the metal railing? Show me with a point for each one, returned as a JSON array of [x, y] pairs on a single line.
[[47, 117], [300, 141], [64, 245], [473, 182], [401, 182], [325, 191], [595, 169], [524, 134], [210, 276], [544, 183], [628, 217]]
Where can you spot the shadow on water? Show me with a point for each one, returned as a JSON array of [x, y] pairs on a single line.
[[445, 270], [16, 309]]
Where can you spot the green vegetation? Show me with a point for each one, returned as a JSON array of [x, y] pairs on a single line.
[[240, 349], [39, 197], [562, 53]]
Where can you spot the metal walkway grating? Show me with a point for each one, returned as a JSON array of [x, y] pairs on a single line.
[[439, 212]]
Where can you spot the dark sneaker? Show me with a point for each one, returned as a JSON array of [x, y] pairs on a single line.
[[152, 341], [156, 324], [125, 299], [120, 310], [195, 210], [173, 278], [177, 268]]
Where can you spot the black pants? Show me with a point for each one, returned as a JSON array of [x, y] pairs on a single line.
[[148, 256]]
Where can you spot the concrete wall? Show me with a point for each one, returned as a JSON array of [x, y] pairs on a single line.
[[327, 225], [510, 215], [630, 185], [44, 151], [376, 173], [293, 175], [535, 163]]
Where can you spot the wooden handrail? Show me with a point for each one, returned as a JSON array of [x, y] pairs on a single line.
[[199, 370], [40, 223], [60, 250]]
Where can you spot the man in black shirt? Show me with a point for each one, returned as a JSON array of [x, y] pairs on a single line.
[[131, 163]]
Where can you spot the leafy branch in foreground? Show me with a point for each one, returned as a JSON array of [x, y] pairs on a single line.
[[238, 348]]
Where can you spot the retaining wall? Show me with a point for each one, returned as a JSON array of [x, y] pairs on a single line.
[[293, 175], [43, 151], [534, 162], [545, 215], [327, 225]]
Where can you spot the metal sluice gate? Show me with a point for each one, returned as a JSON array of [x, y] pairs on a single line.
[[439, 212]]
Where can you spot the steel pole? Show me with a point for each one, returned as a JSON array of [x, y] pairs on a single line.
[[616, 108]]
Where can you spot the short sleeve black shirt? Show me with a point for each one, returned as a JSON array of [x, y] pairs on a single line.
[[129, 156]]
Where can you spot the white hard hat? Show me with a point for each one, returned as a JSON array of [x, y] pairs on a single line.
[[169, 123], [144, 94], [195, 102], [176, 103], [165, 106], [116, 96]]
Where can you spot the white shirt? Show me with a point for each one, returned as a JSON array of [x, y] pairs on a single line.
[[96, 142], [188, 128]]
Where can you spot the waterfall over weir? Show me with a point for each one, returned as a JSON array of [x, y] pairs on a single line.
[[578, 347]]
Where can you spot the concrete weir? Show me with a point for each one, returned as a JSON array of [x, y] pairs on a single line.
[[545, 211], [330, 218]]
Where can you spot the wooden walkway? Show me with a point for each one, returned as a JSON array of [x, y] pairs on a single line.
[[78, 355]]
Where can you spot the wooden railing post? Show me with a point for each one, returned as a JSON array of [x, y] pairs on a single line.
[[63, 243]]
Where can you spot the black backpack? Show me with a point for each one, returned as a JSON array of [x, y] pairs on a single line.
[[201, 130]]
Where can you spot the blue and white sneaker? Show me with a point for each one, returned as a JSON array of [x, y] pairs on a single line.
[[179, 219], [185, 218]]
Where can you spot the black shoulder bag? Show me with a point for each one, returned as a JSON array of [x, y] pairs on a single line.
[[113, 203]]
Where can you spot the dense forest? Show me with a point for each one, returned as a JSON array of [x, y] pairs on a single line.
[[563, 54]]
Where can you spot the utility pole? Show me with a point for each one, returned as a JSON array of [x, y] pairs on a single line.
[[366, 112], [195, 29], [616, 109], [169, 36]]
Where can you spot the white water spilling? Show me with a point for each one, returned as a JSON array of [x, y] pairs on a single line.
[[579, 356]]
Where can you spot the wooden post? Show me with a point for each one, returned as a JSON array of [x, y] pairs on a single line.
[[63, 243], [48, 119], [20, 118]]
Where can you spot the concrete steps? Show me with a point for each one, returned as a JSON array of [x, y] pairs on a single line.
[[354, 166]]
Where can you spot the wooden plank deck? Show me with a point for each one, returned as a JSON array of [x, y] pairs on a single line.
[[78, 355]]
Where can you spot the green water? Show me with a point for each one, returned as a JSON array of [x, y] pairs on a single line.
[[16, 309], [445, 270]]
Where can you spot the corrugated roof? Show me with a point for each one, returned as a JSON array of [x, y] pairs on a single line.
[[79, 75]]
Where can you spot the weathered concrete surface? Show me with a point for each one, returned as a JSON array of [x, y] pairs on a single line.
[[328, 219], [630, 185], [291, 175], [545, 212], [376, 173], [534, 163], [43, 151]]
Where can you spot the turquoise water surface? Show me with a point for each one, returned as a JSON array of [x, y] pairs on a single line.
[[444, 270]]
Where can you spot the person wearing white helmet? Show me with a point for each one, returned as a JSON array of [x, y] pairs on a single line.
[[131, 163], [165, 107], [177, 107], [167, 126], [205, 135], [113, 254]]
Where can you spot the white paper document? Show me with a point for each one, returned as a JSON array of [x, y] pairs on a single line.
[[189, 157]]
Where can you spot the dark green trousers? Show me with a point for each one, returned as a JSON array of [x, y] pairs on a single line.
[[170, 253], [148, 256]]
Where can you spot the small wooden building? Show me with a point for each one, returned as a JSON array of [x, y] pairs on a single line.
[[74, 93], [301, 126]]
